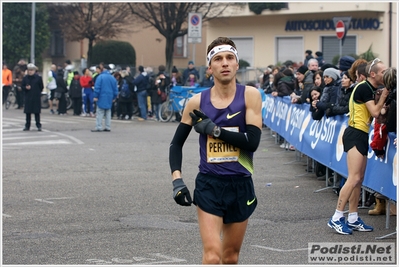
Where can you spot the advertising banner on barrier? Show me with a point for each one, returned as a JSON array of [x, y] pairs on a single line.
[[322, 141]]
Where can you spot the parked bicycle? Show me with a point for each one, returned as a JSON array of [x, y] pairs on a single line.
[[46, 96], [175, 102], [11, 100]]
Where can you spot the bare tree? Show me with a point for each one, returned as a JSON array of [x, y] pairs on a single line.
[[170, 19], [93, 21]]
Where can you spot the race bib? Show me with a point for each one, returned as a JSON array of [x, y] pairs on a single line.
[[219, 151]]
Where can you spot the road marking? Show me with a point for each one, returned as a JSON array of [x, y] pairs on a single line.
[[6, 215], [47, 200], [279, 250], [139, 260], [73, 138], [28, 137], [48, 142], [59, 198]]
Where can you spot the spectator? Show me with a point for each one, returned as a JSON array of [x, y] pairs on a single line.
[[386, 122], [61, 90], [125, 104], [345, 63], [269, 88], [52, 85], [150, 86], [19, 72], [275, 70], [189, 69], [68, 72], [176, 78], [327, 66], [356, 145], [162, 83], [342, 105], [6, 80], [265, 77], [320, 58], [308, 55], [141, 83], [303, 85], [75, 92], [191, 80], [99, 69], [32, 85], [315, 94], [208, 79], [119, 82], [318, 79], [330, 91], [105, 92], [284, 85], [86, 81], [352, 70], [313, 65]]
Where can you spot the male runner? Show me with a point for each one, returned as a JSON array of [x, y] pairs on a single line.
[[228, 118]]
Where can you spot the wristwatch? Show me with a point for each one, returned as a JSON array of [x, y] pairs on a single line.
[[216, 131]]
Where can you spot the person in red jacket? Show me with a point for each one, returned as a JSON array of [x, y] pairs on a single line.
[[86, 81]]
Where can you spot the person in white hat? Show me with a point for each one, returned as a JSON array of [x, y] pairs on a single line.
[[32, 85]]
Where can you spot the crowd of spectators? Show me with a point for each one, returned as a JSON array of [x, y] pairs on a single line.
[[327, 89]]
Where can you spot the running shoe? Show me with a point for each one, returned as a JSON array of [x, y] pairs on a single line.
[[360, 226], [340, 226]]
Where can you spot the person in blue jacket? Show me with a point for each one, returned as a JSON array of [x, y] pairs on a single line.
[[105, 93]]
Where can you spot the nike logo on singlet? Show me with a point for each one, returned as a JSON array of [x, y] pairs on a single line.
[[228, 116]]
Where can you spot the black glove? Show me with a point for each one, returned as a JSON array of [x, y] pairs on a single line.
[[378, 152], [202, 124], [180, 193]]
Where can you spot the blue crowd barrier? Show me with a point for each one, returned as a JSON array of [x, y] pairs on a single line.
[[322, 141]]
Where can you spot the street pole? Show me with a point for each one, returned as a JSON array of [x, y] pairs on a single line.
[[32, 35], [340, 48]]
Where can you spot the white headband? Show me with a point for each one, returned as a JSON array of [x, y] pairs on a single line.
[[221, 48]]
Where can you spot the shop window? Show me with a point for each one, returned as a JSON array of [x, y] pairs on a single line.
[[289, 48], [331, 47], [180, 46], [245, 47]]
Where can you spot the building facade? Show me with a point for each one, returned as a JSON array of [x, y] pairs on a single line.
[[271, 37]]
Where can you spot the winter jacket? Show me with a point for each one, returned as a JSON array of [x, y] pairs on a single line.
[[342, 105], [285, 86], [86, 82], [105, 90], [75, 89], [141, 82], [33, 103]]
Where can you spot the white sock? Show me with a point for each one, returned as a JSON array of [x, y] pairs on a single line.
[[337, 215], [352, 217]]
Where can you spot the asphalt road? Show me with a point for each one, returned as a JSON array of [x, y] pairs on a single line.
[[73, 197]]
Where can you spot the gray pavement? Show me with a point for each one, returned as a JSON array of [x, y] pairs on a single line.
[[73, 197]]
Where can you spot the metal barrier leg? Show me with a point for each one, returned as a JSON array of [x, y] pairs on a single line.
[[334, 185], [364, 199]]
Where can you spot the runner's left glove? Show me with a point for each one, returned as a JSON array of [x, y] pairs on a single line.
[[181, 193], [202, 124]]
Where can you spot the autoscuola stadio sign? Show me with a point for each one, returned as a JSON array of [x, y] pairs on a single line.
[[328, 24]]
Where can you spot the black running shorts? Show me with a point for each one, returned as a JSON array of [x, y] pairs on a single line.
[[354, 137], [230, 197]]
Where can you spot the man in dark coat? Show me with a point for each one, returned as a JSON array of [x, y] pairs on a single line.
[[32, 85]]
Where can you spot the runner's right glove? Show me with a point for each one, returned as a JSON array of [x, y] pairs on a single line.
[[180, 193]]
